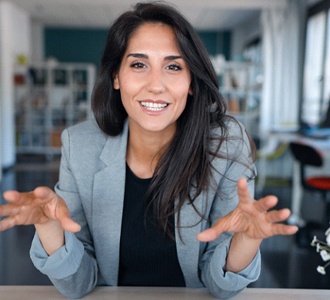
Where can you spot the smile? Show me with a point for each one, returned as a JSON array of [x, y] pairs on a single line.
[[154, 106]]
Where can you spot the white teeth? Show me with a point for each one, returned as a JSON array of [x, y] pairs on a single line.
[[153, 106]]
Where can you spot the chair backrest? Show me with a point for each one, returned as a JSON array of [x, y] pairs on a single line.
[[306, 155]]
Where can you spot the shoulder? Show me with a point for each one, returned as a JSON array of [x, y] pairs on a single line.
[[83, 140], [85, 129], [88, 138], [232, 136], [232, 128], [232, 148]]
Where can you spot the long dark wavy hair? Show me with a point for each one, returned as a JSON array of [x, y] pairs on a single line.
[[187, 161]]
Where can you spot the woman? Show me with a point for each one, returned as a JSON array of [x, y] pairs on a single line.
[[160, 165]]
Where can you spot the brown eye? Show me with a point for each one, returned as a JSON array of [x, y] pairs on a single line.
[[138, 65], [174, 67]]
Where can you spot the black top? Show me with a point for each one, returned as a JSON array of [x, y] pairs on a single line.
[[147, 256]]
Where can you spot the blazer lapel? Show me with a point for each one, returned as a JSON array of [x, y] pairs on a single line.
[[188, 247], [108, 199]]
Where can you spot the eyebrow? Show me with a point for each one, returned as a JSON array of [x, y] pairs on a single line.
[[141, 55]]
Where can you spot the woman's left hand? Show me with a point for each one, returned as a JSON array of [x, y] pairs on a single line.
[[252, 218]]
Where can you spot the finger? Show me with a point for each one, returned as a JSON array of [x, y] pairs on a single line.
[[40, 193], [266, 203], [69, 225], [275, 216], [208, 235], [44, 194], [243, 191], [63, 215], [213, 232], [9, 210], [14, 196], [7, 223], [281, 229]]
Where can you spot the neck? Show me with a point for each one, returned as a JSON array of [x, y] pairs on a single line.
[[145, 149]]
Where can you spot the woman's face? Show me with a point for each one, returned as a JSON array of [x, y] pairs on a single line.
[[153, 79]]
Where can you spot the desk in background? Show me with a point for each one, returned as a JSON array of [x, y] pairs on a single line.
[[152, 293]]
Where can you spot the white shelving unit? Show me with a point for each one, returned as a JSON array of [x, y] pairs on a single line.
[[241, 85], [49, 98]]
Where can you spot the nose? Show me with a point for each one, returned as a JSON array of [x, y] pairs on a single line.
[[156, 82]]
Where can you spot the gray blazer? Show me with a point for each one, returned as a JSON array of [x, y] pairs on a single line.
[[92, 181]]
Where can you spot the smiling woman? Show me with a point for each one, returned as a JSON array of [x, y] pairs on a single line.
[[157, 190], [154, 82]]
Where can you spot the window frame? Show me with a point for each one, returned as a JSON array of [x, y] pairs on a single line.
[[323, 6]]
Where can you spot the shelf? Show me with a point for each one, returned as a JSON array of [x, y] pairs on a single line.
[[48, 99], [240, 83]]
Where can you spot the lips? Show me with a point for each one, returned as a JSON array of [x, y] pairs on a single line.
[[154, 106]]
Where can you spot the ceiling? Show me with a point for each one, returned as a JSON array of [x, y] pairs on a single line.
[[204, 15]]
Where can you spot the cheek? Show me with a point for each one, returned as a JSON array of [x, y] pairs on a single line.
[[127, 89], [181, 102], [128, 92], [183, 93]]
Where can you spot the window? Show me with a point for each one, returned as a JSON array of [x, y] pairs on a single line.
[[316, 77]]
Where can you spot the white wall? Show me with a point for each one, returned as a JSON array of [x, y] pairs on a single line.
[[37, 38], [15, 32], [244, 34]]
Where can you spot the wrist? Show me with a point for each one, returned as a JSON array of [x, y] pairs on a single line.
[[242, 250], [245, 238], [51, 235]]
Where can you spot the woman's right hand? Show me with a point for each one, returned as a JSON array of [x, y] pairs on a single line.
[[39, 207]]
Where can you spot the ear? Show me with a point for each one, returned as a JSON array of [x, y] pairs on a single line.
[[116, 84], [190, 92]]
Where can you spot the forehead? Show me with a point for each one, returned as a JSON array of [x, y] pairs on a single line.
[[153, 35]]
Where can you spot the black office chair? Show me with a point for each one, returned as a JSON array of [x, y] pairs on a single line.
[[308, 156]]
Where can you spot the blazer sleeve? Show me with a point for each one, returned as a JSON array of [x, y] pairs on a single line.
[[220, 283], [73, 268]]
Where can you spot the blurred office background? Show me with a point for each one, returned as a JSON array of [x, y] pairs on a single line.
[[272, 58]]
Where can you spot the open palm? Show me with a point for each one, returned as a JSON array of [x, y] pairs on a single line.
[[251, 217], [37, 207]]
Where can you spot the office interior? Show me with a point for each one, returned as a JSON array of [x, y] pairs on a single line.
[[272, 58]]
